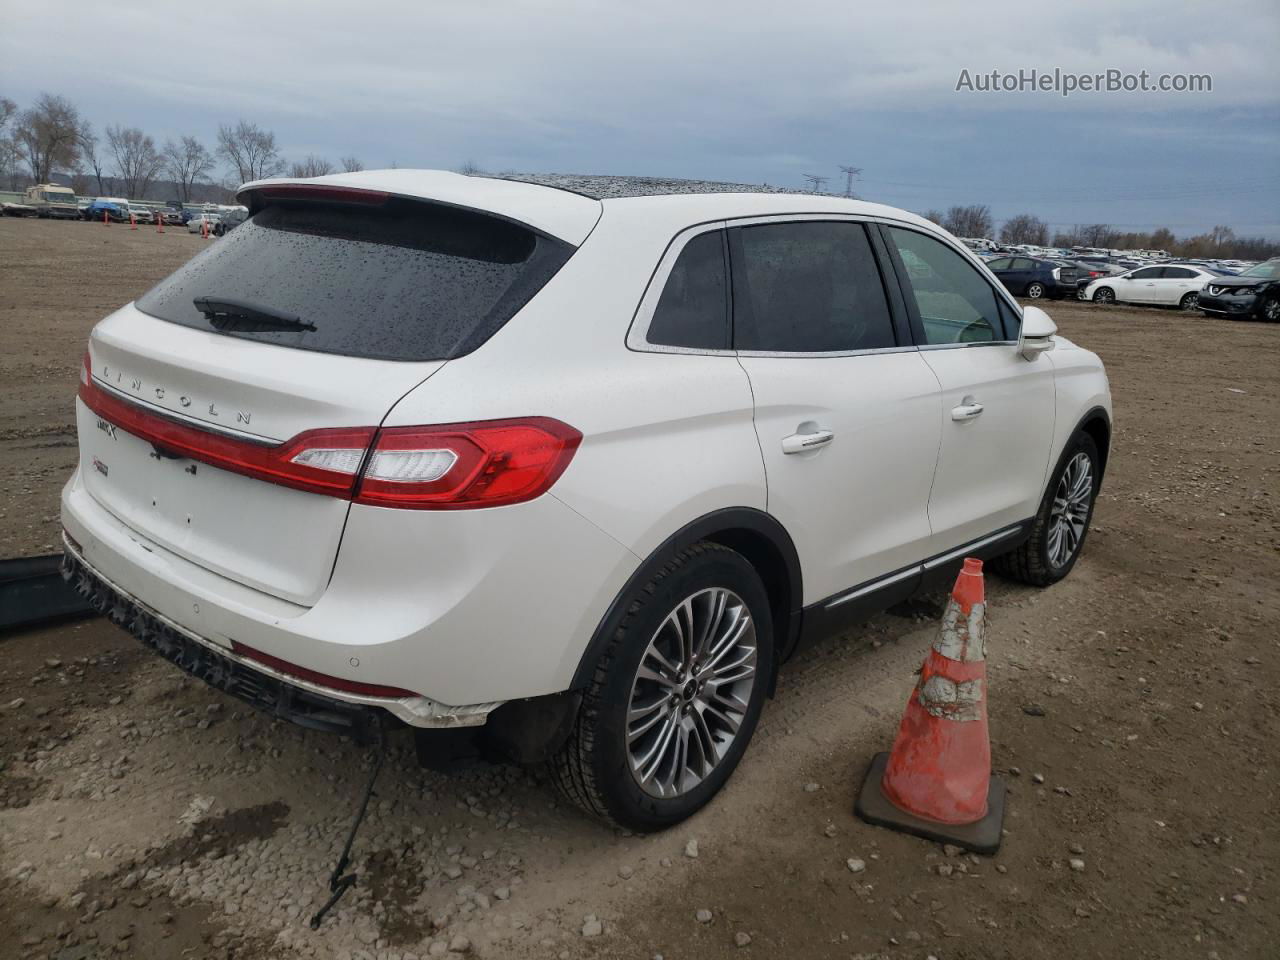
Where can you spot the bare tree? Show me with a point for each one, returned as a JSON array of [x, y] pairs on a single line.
[[8, 147], [186, 162], [469, 168], [934, 216], [1096, 235], [137, 160], [93, 160], [47, 136], [351, 164], [1024, 228], [250, 150], [971, 221], [313, 166]]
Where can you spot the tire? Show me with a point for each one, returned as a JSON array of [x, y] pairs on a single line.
[[1035, 291], [1188, 301], [1271, 310], [1104, 295], [1035, 561], [597, 769]]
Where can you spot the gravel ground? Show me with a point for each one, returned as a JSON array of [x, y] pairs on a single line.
[[1134, 714]]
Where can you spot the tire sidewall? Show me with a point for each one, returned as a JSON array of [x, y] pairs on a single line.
[[1104, 295], [626, 801], [1080, 443]]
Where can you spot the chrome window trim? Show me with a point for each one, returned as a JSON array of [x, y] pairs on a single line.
[[638, 334], [637, 339]]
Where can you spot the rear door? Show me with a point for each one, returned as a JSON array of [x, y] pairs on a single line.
[[997, 412], [307, 317], [1175, 283], [846, 411]]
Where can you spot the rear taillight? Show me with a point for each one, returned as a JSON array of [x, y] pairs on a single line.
[[454, 466], [462, 465]]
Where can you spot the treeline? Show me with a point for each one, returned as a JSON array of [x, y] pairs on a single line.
[[52, 137], [1220, 243]]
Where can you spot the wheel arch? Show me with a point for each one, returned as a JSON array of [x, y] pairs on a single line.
[[1097, 424], [760, 538]]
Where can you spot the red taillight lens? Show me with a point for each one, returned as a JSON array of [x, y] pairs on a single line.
[[464, 465], [284, 463], [449, 467]]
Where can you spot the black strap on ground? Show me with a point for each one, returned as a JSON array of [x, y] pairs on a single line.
[[339, 881], [32, 591]]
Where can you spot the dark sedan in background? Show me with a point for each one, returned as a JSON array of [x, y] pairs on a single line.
[[1254, 294], [1035, 278]]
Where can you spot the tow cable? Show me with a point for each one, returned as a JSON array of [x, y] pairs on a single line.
[[339, 881]]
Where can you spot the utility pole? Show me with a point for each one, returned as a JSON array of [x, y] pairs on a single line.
[[850, 173], [816, 182]]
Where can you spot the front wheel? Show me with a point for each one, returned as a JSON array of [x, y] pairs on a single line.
[[1189, 301], [676, 693], [1271, 310], [1104, 295], [1035, 291], [1062, 523]]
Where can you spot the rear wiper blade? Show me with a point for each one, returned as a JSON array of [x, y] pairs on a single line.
[[224, 313]]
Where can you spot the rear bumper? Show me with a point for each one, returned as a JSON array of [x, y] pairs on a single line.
[[467, 609], [220, 669]]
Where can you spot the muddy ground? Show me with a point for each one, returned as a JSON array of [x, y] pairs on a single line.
[[142, 815]]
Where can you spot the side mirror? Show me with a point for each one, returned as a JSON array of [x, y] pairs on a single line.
[[1036, 335]]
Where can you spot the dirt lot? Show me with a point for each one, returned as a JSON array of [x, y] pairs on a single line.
[[145, 816]]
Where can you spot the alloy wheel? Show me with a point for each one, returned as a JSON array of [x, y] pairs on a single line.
[[1069, 514], [1189, 301], [1035, 291], [1272, 310], [691, 692]]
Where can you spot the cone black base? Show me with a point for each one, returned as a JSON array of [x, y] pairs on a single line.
[[980, 837]]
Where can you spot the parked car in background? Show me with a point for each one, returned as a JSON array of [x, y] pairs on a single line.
[[1165, 286], [200, 219], [229, 219], [360, 484], [52, 201], [141, 213], [1253, 294], [171, 216], [113, 208], [1035, 278]]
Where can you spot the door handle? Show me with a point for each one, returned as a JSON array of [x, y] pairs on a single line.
[[804, 442], [967, 411]]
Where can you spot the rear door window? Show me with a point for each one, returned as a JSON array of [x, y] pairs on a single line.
[[404, 280], [807, 287], [693, 311]]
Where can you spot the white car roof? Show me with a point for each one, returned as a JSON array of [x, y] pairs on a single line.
[[568, 206]]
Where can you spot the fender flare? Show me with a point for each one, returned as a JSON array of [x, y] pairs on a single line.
[[723, 526]]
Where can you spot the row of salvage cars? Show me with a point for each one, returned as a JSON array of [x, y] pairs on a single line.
[[1252, 294]]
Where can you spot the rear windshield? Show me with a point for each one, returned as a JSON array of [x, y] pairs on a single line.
[[406, 280]]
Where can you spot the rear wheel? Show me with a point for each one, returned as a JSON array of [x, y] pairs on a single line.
[[1189, 301], [1060, 527], [1035, 291], [1271, 310], [675, 696], [1104, 295]]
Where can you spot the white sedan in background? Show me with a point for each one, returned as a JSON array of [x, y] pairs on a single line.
[[193, 225], [1169, 286]]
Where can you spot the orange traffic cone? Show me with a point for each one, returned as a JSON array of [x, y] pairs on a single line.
[[106, 220], [936, 782], [204, 228], [133, 221], [159, 221]]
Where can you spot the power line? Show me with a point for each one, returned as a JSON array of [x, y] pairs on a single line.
[[850, 173], [816, 182]]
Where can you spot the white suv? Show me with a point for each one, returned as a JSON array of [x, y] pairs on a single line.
[[573, 464]]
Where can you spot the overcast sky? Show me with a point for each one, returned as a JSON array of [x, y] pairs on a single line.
[[757, 92]]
